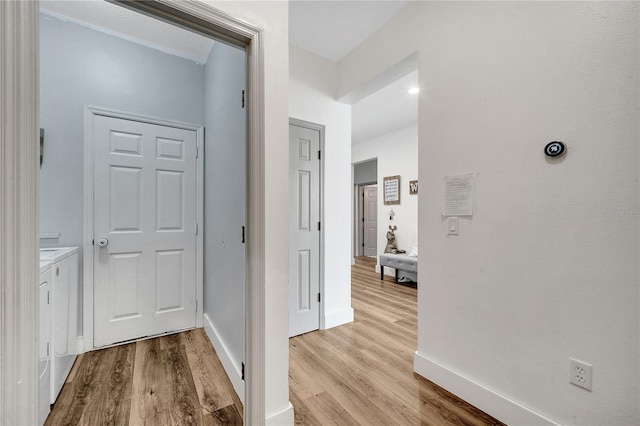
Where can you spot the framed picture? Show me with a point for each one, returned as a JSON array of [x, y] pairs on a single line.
[[413, 187], [392, 190]]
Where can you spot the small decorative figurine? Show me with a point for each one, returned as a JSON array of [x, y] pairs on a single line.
[[392, 247]]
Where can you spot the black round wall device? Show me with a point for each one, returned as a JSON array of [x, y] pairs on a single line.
[[554, 149]]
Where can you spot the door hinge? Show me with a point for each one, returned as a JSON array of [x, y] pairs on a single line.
[[197, 229], [93, 242], [243, 99], [197, 151], [243, 235], [319, 155], [362, 244], [242, 368], [48, 299], [319, 297], [196, 305], [47, 349], [318, 226]]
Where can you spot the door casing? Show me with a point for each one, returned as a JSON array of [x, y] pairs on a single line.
[[88, 213]]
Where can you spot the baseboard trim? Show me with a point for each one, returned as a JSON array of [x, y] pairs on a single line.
[[336, 318], [487, 400], [281, 418], [232, 370]]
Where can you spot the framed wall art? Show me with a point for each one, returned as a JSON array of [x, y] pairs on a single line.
[[413, 187], [391, 188]]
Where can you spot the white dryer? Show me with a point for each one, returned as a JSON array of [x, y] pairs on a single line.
[[64, 311], [44, 366]]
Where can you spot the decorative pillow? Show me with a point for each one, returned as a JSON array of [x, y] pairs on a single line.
[[414, 250]]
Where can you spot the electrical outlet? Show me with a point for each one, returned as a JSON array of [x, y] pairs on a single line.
[[580, 373]]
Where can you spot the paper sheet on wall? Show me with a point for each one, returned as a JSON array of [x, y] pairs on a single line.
[[458, 195]]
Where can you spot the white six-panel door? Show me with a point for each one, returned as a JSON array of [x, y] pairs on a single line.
[[304, 232], [145, 207]]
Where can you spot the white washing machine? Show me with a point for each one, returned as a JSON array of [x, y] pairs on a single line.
[[64, 312], [44, 366]]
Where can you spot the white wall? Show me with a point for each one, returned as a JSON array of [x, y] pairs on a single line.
[[224, 207], [312, 98], [272, 17], [397, 154], [547, 267]]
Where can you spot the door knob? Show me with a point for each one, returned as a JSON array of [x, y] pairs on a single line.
[[103, 242]]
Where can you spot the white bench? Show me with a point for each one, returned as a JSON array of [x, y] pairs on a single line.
[[400, 262]]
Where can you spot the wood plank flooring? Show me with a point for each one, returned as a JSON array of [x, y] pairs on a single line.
[[356, 374], [170, 380], [362, 373], [367, 261]]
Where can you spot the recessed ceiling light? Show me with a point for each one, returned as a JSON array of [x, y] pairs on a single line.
[[414, 90]]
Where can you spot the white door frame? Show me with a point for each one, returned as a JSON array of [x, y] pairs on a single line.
[[320, 129], [19, 218], [19, 191], [88, 252]]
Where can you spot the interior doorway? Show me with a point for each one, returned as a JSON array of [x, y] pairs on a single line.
[[160, 86], [365, 179], [145, 196], [20, 353], [370, 220]]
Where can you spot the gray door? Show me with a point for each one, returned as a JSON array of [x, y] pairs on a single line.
[[304, 230], [370, 220]]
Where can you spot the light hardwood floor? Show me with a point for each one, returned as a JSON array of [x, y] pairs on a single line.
[[367, 261], [170, 380], [362, 373], [356, 374]]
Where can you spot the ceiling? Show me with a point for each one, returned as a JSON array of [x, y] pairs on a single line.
[[136, 27], [389, 109], [329, 29]]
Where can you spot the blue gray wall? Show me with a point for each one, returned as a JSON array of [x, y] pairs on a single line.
[[366, 172], [224, 204], [80, 66]]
